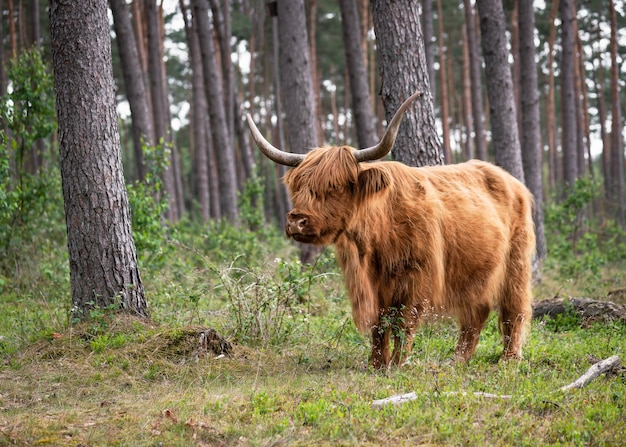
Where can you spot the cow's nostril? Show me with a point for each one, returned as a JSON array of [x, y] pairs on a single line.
[[302, 222]]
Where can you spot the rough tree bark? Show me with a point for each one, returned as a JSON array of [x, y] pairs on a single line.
[[133, 74], [224, 149], [297, 86], [530, 137], [359, 89], [505, 138], [103, 261], [403, 70], [475, 82]]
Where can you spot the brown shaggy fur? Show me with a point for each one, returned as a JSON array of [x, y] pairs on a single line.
[[454, 240]]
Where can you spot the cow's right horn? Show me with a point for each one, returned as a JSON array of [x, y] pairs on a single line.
[[271, 152], [386, 142]]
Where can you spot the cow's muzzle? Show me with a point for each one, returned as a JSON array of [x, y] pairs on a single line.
[[299, 227]]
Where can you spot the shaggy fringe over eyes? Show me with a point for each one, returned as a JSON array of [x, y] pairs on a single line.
[[325, 169]]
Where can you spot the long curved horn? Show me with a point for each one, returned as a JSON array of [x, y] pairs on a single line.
[[386, 142], [271, 152]]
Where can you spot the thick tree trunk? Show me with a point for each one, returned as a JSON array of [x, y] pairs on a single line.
[[530, 139], [505, 138], [297, 86], [103, 261], [403, 69], [359, 89]]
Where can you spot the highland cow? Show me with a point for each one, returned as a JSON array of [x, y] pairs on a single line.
[[448, 240]]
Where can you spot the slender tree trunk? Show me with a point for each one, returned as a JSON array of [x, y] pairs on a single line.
[[198, 118], [606, 166], [553, 162], [312, 31], [282, 198], [568, 91], [427, 17], [103, 261], [468, 152], [359, 88], [222, 143], [505, 138], [136, 94], [221, 18], [476, 82], [617, 145], [530, 128], [443, 76], [403, 71], [159, 104]]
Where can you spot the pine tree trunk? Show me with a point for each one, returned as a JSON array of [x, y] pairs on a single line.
[[443, 76], [403, 72], [476, 83], [468, 152], [159, 104], [505, 138], [427, 17], [281, 197], [136, 94], [568, 92], [198, 119], [553, 162], [359, 89], [297, 85], [529, 119], [617, 145], [103, 261], [222, 144]]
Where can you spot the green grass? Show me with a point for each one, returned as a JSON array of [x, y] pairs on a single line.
[[298, 374]]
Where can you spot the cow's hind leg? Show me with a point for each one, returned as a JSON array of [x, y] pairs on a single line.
[[515, 316], [471, 325], [516, 297], [380, 347]]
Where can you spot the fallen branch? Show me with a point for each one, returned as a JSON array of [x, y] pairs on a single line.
[[593, 372], [590, 311], [601, 367]]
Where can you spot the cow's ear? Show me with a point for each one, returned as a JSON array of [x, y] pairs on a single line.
[[372, 180]]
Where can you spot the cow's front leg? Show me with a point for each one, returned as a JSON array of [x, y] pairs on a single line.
[[380, 347]]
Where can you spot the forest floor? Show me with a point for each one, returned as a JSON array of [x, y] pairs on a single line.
[[297, 372]]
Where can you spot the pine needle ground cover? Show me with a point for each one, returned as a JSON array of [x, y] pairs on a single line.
[[297, 371]]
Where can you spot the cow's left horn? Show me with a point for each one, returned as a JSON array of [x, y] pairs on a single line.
[[386, 142], [271, 152]]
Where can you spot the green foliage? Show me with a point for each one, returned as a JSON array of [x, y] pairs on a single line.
[[251, 203], [578, 246], [148, 203], [28, 112], [29, 108]]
